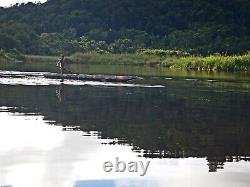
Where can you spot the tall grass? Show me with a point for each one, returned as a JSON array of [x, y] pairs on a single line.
[[210, 63]]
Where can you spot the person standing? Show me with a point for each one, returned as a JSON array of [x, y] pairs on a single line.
[[61, 64]]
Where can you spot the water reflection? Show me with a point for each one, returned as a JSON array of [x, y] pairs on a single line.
[[60, 92], [35, 153], [186, 124], [179, 121]]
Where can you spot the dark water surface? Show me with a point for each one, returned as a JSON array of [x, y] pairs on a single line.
[[195, 131]]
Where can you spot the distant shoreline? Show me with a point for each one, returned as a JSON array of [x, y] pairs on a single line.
[[216, 63], [212, 63]]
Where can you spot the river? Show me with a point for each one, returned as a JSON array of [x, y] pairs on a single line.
[[192, 127]]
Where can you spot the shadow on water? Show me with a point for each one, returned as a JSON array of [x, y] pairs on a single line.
[[180, 120]]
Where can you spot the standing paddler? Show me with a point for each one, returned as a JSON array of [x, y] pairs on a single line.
[[61, 63]]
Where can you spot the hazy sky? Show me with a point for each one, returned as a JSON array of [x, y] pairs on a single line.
[[4, 3]]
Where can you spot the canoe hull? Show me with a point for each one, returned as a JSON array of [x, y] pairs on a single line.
[[83, 77]]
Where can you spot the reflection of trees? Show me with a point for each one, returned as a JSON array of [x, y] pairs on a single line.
[[171, 123]]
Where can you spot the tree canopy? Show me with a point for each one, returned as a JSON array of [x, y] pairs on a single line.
[[201, 27]]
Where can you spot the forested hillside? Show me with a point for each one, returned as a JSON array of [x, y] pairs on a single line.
[[123, 26]]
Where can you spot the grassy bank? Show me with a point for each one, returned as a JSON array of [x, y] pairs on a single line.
[[209, 63]]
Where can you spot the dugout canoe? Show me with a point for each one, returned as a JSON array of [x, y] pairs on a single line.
[[83, 77]]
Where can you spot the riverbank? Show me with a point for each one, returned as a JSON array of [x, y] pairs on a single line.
[[216, 63], [209, 63]]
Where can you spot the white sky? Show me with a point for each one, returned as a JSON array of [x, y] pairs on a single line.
[[7, 3]]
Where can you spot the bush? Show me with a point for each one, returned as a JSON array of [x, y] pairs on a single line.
[[163, 53]]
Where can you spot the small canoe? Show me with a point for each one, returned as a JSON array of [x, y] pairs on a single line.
[[83, 77]]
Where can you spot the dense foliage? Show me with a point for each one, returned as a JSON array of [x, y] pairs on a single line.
[[123, 26]]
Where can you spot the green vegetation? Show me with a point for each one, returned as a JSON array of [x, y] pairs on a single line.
[[113, 26], [3, 57], [183, 34], [11, 56], [162, 53], [211, 63], [169, 59], [177, 61], [144, 57]]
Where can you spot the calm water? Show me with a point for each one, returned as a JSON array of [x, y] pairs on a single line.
[[194, 128]]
